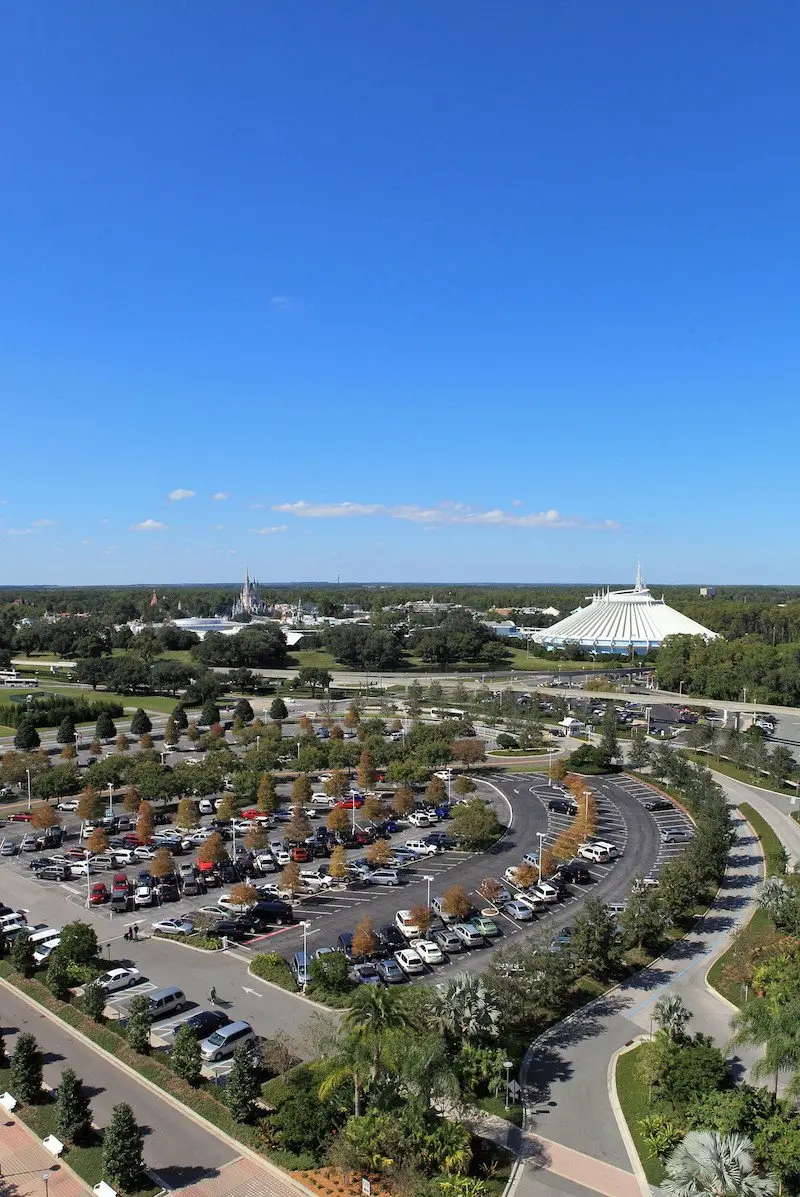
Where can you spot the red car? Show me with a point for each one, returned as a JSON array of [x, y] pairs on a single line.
[[21, 816], [350, 803], [98, 894], [300, 854], [251, 813]]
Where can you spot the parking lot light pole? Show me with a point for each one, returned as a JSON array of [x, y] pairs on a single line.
[[305, 924], [508, 1065], [110, 799], [28, 775], [541, 836], [427, 877], [549, 768], [87, 853]]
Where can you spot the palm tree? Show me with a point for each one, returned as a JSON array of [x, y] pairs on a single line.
[[775, 1027], [425, 1070], [672, 1014], [374, 1013], [707, 1164], [464, 1008], [352, 1060], [774, 898]]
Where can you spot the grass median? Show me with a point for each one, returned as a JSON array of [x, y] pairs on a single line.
[[632, 1093]]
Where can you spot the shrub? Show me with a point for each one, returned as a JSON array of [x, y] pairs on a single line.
[[272, 967], [26, 1069]]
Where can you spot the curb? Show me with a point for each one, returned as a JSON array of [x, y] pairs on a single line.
[[621, 1120], [177, 941], [300, 996], [198, 1119]]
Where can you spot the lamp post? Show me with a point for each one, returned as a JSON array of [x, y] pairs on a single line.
[[427, 878], [45, 1176], [305, 924], [110, 811], [28, 775], [549, 768], [87, 854], [541, 836], [508, 1065]]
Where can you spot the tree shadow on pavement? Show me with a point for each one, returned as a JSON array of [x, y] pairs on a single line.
[[178, 1176], [586, 1023], [544, 1066]]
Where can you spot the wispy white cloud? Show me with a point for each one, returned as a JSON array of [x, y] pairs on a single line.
[[19, 531], [220, 496], [283, 303], [175, 496], [446, 513], [149, 526], [109, 551], [268, 531], [44, 523], [255, 506], [218, 527]]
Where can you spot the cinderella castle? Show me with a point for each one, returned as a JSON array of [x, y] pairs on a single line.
[[249, 601]]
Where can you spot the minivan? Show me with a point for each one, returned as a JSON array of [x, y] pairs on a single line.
[[225, 1041], [531, 859], [301, 968], [54, 872], [162, 1002], [42, 936]]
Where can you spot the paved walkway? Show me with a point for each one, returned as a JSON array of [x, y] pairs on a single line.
[[565, 1071], [24, 1163]]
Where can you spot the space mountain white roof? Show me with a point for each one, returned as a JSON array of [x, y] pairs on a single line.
[[620, 620]]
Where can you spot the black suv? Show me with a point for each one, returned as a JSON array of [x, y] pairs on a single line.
[[391, 938], [658, 804], [562, 806], [268, 912], [574, 874]]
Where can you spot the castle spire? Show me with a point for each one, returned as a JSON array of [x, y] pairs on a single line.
[[639, 579]]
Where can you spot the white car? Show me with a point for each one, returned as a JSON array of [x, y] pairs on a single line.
[[81, 868], [43, 951], [226, 902], [282, 857], [421, 848], [420, 818], [266, 862], [200, 835], [314, 880], [143, 853], [68, 804], [118, 978], [410, 961], [205, 806], [594, 853], [520, 911], [405, 924], [546, 891], [428, 951], [143, 896], [173, 927]]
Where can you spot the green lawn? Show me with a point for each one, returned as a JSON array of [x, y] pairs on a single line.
[[311, 658], [150, 702], [738, 772], [497, 1105], [632, 1094]]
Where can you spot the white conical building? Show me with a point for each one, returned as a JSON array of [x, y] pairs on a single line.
[[622, 621]]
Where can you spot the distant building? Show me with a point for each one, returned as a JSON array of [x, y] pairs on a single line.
[[708, 591], [622, 621], [249, 601]]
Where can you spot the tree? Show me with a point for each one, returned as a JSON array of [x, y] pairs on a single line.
[[338, 820], [422, 917], [707, 1164], [26, 737], [352, 718], [66, 731], [97, 841], [227, 808], [336, 785], [475, 824], [256, 838], [593, 942], [775, 1028], [456, 903], [212, 850], [609, 743], [678, 888], [79, 943], [266, 798], [105, 729], [171, 733], [243, 894], [26, 1069], [374, 1014], [464, 785], [132, 800], [403, 801], [672, 1015], [337, 866], [243, 711], [642, 922], [299, 827], [73, 1109], [94, 1002], [558, 769], [414, 700], [123, 1147], [469, 751], [22, 953], [243, 1087], [290, 877], [312, 676], [90, 805], [365, 942], [144, 824], [138, 1027], [366, 770], [185, 1055], [464, 1008], [436, 791], [186, 814], [780, 765], [209, 714], [180, 718], [141, 723], [44, 817], [301, 790], [277, 710], [379, 853], [162, 864]]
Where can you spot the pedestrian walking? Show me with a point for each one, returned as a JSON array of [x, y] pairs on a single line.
[[136, 931]]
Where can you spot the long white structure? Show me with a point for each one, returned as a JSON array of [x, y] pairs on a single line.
[[622, 621]]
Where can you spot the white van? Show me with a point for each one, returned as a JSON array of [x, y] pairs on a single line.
[[42, 936], [323, 801], [42, 953]]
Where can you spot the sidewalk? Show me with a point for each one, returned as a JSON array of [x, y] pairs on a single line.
[[25, 1162]]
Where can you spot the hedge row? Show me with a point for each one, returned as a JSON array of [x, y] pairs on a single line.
[[46, 713]]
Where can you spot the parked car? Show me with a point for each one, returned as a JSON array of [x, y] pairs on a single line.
[[390, 971], [520, 911], [676, 835], [410, 961], [486, 926], [563, 806], [67, 804], [206, 1022], [388, 877], [173, 927], [224, 1041], [365, 973], [427, 950], [447, 940], [422, 847], [469, 935], [656, 804], [143, 896], [390, 937], [98, 894], [573, 873], [118, 978], [405, 924]]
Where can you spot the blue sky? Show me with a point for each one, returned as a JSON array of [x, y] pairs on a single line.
[[449, 291]]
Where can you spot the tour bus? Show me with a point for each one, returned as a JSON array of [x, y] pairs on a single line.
[[10, 677]]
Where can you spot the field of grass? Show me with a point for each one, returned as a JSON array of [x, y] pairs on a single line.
[[738, 772], [150, 702], [497, 1105], [311, 658], [632, 1094]]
